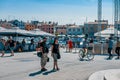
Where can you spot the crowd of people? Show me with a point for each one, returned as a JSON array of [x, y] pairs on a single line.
[[43, 48], [90, 44], [9, 44], [14, 46]]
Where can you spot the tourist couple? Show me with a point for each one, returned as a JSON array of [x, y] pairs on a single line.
[[43, 48]]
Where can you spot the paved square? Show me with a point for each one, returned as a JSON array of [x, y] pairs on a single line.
[[26, 66]]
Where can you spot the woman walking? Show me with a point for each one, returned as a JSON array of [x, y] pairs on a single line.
[[70, 44], [55, 54], [110, 47]]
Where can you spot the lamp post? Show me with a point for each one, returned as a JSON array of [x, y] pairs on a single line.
[[99, 21]]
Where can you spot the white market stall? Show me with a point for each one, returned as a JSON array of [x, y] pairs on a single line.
[[16, 32], [1, 28], [108, 32], [42, 33]]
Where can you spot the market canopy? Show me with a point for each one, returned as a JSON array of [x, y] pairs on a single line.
[[1, 28], [108, 32], [42, 33], [15, 32], [19, 32]]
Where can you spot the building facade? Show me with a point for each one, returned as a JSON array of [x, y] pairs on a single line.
[[47, 27], [61, 29], [17, 23], [75, 30], [92, 27], [6, 24], [29, 26]]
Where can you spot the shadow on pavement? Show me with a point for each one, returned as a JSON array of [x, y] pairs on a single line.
[[66, 52], [85, 60], [35, 73], [6, 56], [48, 72]]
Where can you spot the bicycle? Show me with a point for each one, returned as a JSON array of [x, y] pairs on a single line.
[[89, 55]]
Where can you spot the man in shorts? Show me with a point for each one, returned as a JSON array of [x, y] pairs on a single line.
[[44, 57]]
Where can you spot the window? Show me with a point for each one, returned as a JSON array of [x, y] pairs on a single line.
[[74, 29], [61, 33], [69, 30], [78, 29], [91, 28]]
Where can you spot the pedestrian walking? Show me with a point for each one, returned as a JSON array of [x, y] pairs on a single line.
[[44, 57], [70, 45], [110, 47], [117, 50], [23, 44], [55, 54], [31, 47], [12, 45], [2, 47]]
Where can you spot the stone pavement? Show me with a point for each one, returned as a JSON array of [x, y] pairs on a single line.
[[110, 74], [113, 74], [26, 66]]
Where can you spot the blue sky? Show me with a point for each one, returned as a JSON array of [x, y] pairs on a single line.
[[62, 11]]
